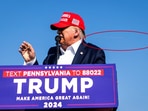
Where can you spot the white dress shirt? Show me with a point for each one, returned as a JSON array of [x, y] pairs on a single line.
[[68, 55]]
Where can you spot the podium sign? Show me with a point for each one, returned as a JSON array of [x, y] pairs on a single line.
[[58, 86]]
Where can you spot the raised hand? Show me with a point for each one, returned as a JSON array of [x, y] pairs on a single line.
[[27, 51]]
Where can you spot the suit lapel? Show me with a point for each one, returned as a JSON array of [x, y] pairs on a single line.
[[81, 52]]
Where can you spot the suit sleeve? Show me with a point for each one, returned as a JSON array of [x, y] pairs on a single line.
[[96, 53], [100, 57]]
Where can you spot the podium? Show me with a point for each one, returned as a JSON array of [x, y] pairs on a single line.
[[58, 86]]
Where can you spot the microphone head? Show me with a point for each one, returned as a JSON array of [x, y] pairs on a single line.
[[57, 38]]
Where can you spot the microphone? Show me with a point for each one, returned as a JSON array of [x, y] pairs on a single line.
[[57, 39]]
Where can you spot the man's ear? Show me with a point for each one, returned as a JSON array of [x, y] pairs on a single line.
[[76, 33]]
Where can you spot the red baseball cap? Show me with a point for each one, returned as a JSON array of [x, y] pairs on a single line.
[[69, 19]]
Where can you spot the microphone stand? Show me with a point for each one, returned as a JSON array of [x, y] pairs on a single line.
[[57, 39]]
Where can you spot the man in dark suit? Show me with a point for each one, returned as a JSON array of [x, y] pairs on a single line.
[[72, 49]]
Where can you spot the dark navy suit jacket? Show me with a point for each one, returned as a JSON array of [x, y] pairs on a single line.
[[86, 54]]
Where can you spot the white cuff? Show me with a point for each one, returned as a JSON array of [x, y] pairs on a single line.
[[30, 63]]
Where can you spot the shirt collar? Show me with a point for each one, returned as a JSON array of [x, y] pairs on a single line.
[[73, 47]]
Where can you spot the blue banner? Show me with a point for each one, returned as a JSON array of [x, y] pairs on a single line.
[[58, 86]]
